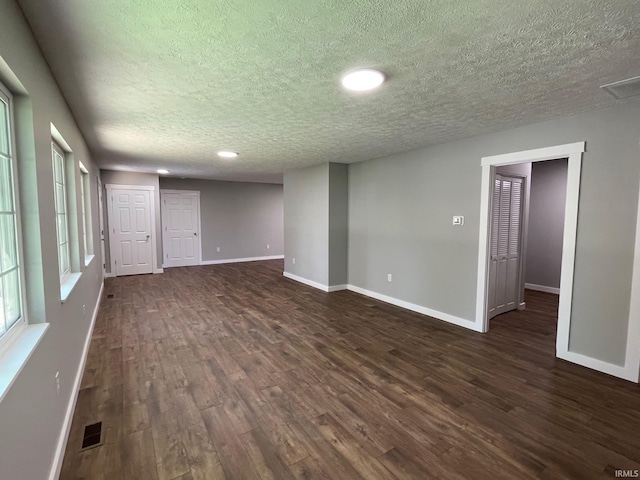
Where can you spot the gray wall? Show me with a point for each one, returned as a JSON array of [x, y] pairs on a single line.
[[240, 218], [112, 177], [400, 211], [306, 223], [338, 223], [546, 222], [32, 414]]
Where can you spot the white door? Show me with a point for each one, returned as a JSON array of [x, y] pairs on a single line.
[[505, 245], [180, 228], [131, 230]]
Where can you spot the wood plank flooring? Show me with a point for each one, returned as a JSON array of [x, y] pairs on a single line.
[[234, 372]]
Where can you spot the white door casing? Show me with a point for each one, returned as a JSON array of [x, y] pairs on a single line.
[[131, 229], [506, 244], [181, 244], [101, 218]]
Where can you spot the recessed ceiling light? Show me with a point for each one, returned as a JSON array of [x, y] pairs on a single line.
[[163, 171], [227, 154], [363, 80]]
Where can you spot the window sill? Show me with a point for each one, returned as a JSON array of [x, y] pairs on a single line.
[[88, 259], [66, 287], [16, 355]]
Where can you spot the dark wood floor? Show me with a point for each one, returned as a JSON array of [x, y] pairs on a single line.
[[232, 371]]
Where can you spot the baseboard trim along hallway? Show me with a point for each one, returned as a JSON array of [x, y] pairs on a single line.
[[56, 466], [387, 299]]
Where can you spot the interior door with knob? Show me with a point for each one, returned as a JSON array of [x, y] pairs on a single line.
[[180, 228], [505, 245], [131, 228]]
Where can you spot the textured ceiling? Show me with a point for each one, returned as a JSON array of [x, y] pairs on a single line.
[[167, 83]]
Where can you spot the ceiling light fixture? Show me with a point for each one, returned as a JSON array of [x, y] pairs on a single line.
[[227, 154], [363, 80], [163, 171]]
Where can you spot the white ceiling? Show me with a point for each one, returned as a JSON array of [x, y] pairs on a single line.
[[167, 83]]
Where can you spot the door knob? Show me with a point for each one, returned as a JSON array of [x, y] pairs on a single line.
[[195, 234]]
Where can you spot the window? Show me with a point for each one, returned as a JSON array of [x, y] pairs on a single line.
[[62, 214], [11, 273]]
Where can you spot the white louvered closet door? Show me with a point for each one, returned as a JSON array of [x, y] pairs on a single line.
[[504, 255]]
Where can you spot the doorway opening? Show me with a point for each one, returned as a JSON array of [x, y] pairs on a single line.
[[527, 226], [573, 154]]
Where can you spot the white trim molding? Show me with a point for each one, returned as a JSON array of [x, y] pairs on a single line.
[[337, 288], [542, 288], [56, 465], [572, 151], [319, 286], [306, 281], [599, 365], [240, 260], [461, 322], [632, 356]]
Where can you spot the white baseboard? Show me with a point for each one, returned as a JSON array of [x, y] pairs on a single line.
[[311, 283], [109, 274], [337, 288], [385, 298], [629, 372], [239, 260], [542, 288], [56, 466], [417, 308], [306, 281], [159, 270]]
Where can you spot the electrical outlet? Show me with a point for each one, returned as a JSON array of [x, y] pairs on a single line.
[[57, 379], [389, 277], [217, 249], [268, 246], [293, 260], [84, 310]]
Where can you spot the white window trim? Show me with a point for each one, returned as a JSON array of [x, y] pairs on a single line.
[[67, 285], [21, 339], [65, 275], [87, 217], [13, 332], [88, 259]]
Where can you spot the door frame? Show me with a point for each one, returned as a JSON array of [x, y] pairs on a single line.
[[152, 206], [103, 257], [573, 152], [189, 192]]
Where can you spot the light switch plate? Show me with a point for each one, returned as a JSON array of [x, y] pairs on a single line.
[[458, 220]]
